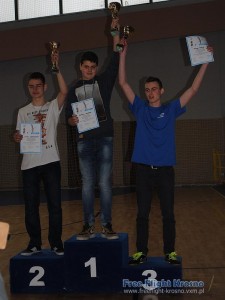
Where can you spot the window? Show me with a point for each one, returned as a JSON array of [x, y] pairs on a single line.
[[158, 0], [7, 11], [37, 8], [11, 10], [71, 6], [134, 2]]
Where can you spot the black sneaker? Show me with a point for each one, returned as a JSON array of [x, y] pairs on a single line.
[[31, 250], [58, 250], [138, 258], [88, 232], [108, 232], [172, 258]]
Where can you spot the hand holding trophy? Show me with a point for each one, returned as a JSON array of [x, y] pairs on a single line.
[[54, 46], [114, 7], [4, 234], [125, 33]]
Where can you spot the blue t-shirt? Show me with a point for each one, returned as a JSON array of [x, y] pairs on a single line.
[[155, 132]]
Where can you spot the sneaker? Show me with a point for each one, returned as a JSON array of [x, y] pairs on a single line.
[[58, 250], [108, 232], [31, 250], [88, 232], [172, 258], [138, 258]]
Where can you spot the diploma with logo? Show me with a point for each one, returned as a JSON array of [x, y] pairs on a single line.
[[86, 113], [31, 141], [197, 48]]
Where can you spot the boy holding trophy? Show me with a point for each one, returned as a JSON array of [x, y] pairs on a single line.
[[154, 155], [41, 159], [95, 143]]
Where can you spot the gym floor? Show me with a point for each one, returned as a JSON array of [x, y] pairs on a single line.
[[200, 224]]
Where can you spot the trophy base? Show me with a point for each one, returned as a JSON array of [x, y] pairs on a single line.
[[55, 70], [119, 47], [114, 32]]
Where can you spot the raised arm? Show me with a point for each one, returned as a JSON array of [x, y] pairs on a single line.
[[115, 27], [63, 90], [189, 93], [126, 88]]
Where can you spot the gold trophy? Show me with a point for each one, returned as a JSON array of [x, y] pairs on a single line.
[[114, 7], [125, 33], [54, 48]]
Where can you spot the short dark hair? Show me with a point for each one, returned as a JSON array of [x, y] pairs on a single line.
[[152, 79], [89, 55], [37, 75]]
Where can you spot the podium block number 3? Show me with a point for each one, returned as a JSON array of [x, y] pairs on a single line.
[[92, 264], [36, 280]]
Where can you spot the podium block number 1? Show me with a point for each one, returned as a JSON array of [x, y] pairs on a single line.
[[92, 263]]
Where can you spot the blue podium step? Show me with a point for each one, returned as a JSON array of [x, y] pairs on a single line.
[[39, 273], [97, 265], [155, 273]]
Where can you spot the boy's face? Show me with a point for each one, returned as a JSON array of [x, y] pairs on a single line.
[[88, 70], [153, 93], [36, 88]]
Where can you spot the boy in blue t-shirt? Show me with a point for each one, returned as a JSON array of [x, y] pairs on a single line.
[[155, 155]]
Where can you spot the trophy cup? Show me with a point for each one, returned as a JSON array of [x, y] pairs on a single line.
[[54, 48], [114, 7], [125, 33]]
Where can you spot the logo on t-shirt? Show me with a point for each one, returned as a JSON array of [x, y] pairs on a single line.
[[161, 115]]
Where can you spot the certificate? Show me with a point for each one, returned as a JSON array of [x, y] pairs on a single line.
[[197, 48], [86, 113], [31, 141]]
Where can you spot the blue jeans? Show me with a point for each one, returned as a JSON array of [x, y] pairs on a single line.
[[163, 180], [51, 176], [95, 161]]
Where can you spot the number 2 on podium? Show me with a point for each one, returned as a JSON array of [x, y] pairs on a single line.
[[92, 263]]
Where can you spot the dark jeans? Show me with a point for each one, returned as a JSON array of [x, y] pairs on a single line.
[[95, 161], [50, 174], [163, 180]]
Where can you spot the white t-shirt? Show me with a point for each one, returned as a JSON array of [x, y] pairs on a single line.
[[48, 116]]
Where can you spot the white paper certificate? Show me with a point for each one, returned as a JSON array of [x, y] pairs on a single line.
[[31, 141], [197, 48], [86, 113]]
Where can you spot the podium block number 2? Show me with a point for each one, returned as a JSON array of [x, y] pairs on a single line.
[[36, 280], [92, 263]]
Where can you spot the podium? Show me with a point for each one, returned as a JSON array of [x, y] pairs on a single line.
[[96, 265], [155, 273], [39, 273]]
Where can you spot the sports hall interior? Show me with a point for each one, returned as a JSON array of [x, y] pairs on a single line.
[[158, 48]]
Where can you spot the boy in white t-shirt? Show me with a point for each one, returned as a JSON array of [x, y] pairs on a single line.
[[45, 165]]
